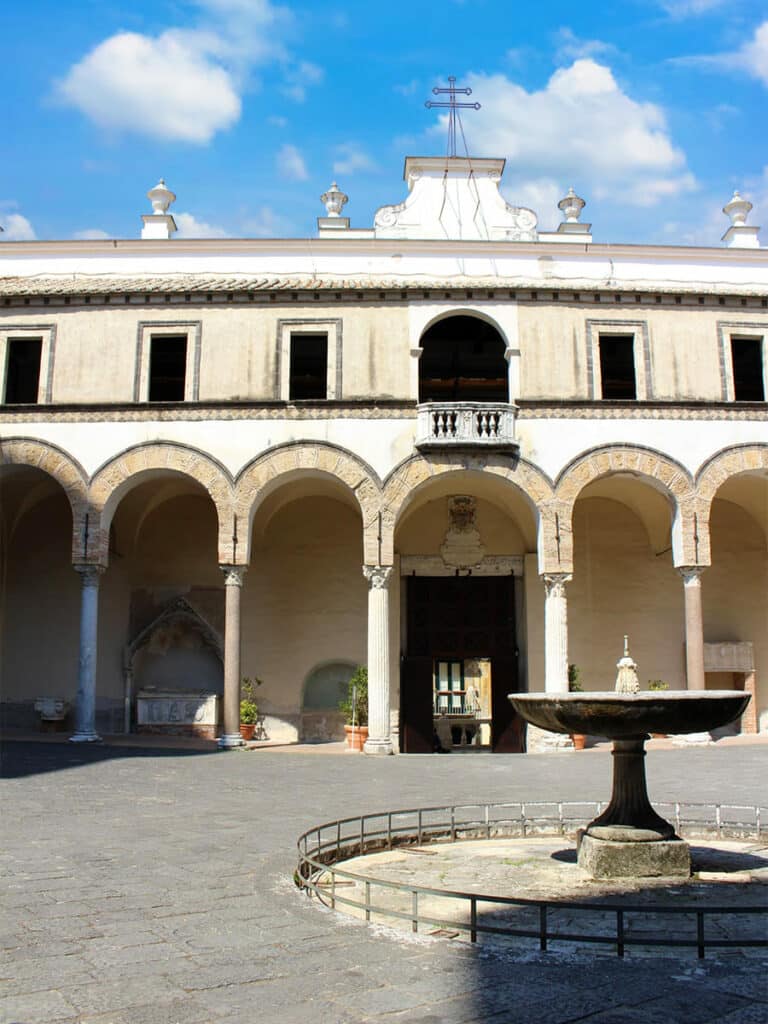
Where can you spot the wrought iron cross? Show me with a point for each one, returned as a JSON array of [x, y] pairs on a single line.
[[452, 106]]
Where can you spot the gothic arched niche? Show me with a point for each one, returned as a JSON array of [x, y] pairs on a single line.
[[463, 361]]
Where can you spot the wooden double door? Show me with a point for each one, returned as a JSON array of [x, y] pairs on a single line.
[[458, 618]]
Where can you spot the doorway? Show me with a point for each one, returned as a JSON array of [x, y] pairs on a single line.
[[459, 665]]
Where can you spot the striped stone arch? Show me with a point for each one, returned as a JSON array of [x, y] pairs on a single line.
[[410, 475], [662, 470], [66, 471], [124, 471], [743, 458], [266, 472]]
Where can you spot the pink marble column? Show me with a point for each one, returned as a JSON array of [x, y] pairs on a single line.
[[233, 583]]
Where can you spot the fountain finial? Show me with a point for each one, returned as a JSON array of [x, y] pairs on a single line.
[[626, 678]]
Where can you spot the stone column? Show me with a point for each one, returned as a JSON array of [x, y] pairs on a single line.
[[85, 707], [694, 626], [694, 644], [379, 737], [233, 583], [555, 632]]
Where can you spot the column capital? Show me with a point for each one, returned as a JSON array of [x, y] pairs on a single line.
[[378, 576], [89, 572], [554, 583], [233, 574], [691, 574]]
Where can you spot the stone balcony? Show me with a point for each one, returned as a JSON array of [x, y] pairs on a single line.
[[457, 425]]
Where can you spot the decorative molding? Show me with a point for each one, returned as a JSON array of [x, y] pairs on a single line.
[[47, 357], [193, 328], [555, 583], [433, 565], [208, 411], [691, 574], [639, 330], [333, 328], [638, 410], [90, 573], [727, 329], [233, 574], [378, 576]]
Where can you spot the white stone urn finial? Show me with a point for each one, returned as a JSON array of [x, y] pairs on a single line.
[[626, 678], [571, 205], [334, 200], [160, 197], [738, 210]]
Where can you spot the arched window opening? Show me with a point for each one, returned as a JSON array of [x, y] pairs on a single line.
[[463, 361]]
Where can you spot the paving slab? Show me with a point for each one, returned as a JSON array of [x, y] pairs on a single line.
[[157, 882]]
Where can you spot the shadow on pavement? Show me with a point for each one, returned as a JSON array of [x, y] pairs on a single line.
[[19, 758]]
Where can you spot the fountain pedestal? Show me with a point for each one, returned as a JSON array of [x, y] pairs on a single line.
[[629, 839]]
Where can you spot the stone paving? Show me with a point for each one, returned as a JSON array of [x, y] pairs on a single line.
[[143, 885]]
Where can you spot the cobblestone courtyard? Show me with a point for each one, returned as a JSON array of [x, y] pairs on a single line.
[[153, 886]]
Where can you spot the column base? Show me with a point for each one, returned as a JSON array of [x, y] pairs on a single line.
[[378, 747], [692, 739], [635, 857], [542, 741], [85, 737], [229, 741]]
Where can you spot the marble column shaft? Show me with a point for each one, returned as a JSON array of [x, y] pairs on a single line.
[[233, 583], [555, 633], [694, 627], [85, 706], [379, 736]]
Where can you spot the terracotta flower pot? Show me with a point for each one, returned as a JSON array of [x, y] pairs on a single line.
[[247, 731], [356, 736], [579, 740]]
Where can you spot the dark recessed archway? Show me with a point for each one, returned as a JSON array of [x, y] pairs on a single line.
[[463, 361]]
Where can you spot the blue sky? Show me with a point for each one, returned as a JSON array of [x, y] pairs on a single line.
[[653, 110]]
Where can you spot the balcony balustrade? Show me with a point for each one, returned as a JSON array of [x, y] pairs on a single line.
[[456, 425]]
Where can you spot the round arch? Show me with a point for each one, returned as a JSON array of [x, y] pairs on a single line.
[[115, 478], [411, 477], [463, 359], [267, 472], [725, 466], [61, 467], [659, 471]]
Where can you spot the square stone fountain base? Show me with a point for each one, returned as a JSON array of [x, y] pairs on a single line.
[[613, 858]]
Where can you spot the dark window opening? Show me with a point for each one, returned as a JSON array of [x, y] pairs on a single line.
[[167, 368], [463, 361], [22, 379], [617, 366], [309, 367], [747, 358]]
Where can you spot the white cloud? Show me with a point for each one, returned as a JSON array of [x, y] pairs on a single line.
[[583, 130], [409, 88], [299, 78], [690, 8], [351, 158], [290, 163], [16, 228], [169, 87], [265, 223], [186, 83], [278, 122], [190, 227], [91, 234], [751, 58], [571, 47]]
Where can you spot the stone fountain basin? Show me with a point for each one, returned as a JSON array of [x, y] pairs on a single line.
[[628, 715]]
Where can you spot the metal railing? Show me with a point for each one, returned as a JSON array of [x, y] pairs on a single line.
[[466, 424], [323, 848]]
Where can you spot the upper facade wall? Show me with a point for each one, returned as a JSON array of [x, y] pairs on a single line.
[[240, 352]]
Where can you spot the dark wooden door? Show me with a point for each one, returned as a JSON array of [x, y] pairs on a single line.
[[457, 618]]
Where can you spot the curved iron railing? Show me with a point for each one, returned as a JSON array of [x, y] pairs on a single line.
[[323, 848]]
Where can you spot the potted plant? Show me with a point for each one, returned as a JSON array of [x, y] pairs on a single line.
[[658, 684], [355, 709], [249, 709], [574, 686]]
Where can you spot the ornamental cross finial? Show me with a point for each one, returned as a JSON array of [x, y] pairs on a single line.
[[453, 106]]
